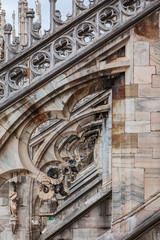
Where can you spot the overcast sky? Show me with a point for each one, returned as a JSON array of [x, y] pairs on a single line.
[[64, 6]]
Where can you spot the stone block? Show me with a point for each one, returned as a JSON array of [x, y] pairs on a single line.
[[141, 53], [146, 161], [155, 55], [2, 131], [130, 110], [156, 81], [147, 105], [118, 127], [152, 172], [155, 121], [156, 152], [131, 91], [149, 140], [143, 75], [122, 160], [142, 116], [152, 185], [137, 126], [146, 90], [145, 150], [126, 143]]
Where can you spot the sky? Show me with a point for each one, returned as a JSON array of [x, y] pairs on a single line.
[[64, 6]]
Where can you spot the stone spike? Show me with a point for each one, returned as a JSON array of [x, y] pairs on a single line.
[[14, 27]]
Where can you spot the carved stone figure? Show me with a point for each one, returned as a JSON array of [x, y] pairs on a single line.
[[13, 203]]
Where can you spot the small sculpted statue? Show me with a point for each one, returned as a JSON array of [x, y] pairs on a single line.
[[13, 203]]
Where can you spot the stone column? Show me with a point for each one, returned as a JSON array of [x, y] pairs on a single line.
[[30, 15], [52, 14], [7, 33]]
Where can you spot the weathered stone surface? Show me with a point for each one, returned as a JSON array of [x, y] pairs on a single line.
[[155, 121], [143, 75], [142, 116], [137, 126], [147, 105], [149, 140], [155, 81], [146, 161], [141, 53]]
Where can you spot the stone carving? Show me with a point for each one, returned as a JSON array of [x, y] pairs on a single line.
[[7, 28], [16, 41], [63, 47], [30, 13], [40, 62], [13, 204], [131, 6], [86, 32], [2, 90], [36, 26], [18, 77], [90, 28], [108, 17], [13, 208]]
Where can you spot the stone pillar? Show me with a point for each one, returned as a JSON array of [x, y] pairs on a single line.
[[52, 14], [7, 33], [14, 28], [30, 15], [105, 149], [22, 21]]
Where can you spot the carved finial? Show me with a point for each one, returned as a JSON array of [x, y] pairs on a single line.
[[58, 14], [92, 2], [14, 27], [81, 2], [68, 16], [38, 11], [7, 28], [36, 27], [30, 13]]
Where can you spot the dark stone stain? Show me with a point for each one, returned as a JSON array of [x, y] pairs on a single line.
[[49, 115], [149, 27]]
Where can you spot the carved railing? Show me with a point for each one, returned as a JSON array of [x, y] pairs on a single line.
[[103, 17]]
